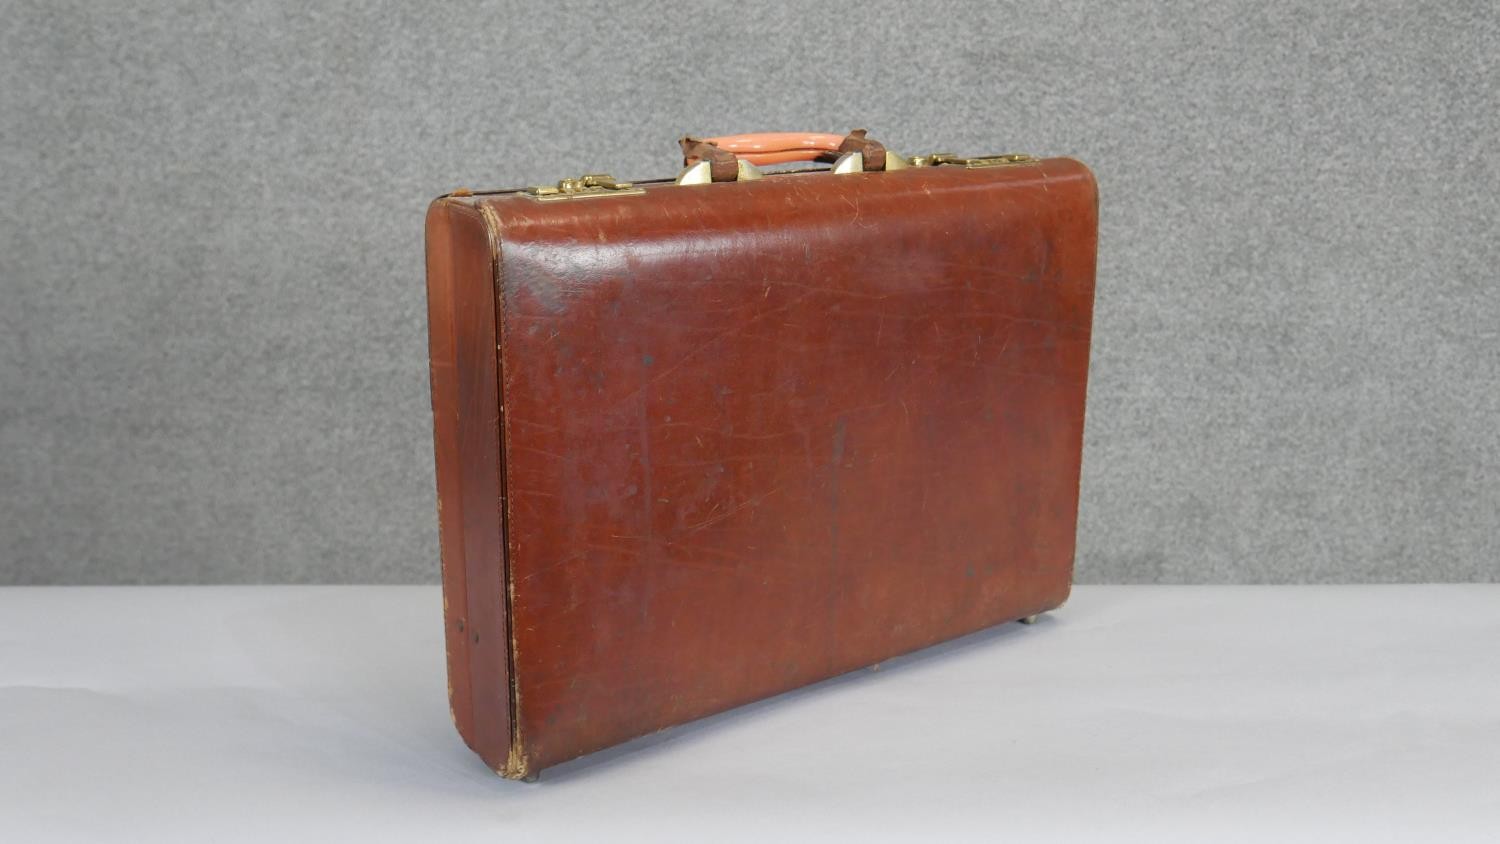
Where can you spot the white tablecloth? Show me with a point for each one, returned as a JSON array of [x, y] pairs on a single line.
[[1202, 714]]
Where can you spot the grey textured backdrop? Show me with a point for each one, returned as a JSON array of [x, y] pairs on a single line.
[[214, 361]]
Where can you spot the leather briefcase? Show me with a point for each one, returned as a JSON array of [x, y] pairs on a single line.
[[706, 440]]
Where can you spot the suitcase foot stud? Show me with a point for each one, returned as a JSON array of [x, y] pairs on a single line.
[[1030, 619]]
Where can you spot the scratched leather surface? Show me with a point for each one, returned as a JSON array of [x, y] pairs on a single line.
[[758, 434]]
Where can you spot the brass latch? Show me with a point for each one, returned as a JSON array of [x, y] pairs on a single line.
[[584, 187], [1009, 159]]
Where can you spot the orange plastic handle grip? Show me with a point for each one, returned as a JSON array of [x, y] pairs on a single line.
[[778, 147]]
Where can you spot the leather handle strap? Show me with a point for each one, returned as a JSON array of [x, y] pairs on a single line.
[[724, 152]]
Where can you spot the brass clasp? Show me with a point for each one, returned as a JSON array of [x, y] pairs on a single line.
[[584, 187], [937, 158]]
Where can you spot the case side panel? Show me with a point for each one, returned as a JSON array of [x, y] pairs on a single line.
[[466, 430], [1080, 232]]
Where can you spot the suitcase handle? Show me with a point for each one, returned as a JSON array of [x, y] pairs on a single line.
[[778, 147], [725, 152]]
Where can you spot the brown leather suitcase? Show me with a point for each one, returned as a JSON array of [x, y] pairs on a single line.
[[704, 441]]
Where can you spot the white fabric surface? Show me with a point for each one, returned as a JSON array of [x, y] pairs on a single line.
[[1367, 713]]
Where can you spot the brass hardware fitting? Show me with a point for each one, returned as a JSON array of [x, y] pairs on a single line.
[[849, 162], [936, 158], [702, 173], [584, 187], [603, 184]]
